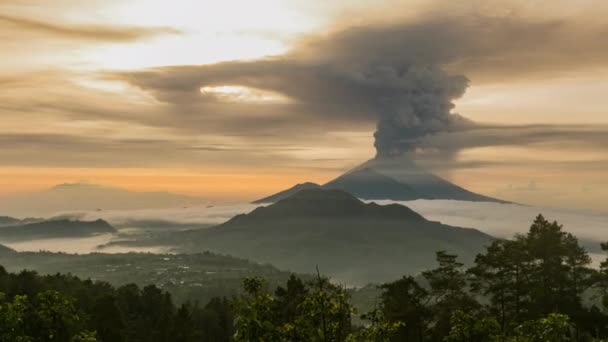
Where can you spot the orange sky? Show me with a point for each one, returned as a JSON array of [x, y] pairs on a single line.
[[64, 119]]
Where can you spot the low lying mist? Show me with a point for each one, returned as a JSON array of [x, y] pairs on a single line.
[[499, 220]]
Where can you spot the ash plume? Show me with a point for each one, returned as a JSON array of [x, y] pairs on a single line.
[[402, 77], [415, 102]]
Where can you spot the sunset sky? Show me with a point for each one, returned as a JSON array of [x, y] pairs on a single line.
[[234, 99]]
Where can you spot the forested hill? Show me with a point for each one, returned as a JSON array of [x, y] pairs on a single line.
[[64, 308], [351, 241]]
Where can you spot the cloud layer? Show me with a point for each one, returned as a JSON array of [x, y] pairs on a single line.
[[95, 32]]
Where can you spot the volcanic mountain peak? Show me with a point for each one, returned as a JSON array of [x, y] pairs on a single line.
[[398, 179], [428, 185], [367, 183]]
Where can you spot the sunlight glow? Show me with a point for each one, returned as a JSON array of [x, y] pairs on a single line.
[[210, 32], [230, 93]]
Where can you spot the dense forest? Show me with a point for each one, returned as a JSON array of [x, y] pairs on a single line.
[[535, 287]]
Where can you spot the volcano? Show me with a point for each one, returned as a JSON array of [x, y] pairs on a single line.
[[397, 179]]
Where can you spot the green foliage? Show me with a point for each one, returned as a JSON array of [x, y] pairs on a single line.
[[62, 308], [12, 319], [85, 336], [255, 316], [448, 292], [316, 312], [55, 316], [404, 302], [325, 313], [468, 328], [536, 275], [553, 328], [379, 330], [602, 279], [52, 316]]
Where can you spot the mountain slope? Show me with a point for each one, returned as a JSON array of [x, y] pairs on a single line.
[[286, 193], [348, 239], [367, 183], [398, 179], [7, 221], [426, 184], [4, 250], [55, 229]]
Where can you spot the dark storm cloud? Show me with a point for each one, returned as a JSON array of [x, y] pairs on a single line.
[[391, 74], [85, 31]]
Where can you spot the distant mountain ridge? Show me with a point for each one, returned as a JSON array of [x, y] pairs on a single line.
[[390, 179], [71, 197], [11, 221], [61, 228], [353, 241]]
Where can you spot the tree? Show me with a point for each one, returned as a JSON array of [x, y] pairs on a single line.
[[534, 275], [448, 292], [379, 329], [107, 319], [13, 319], [325, 313], [55, 317], [51, 317], [403, 303], [560, 272], [288, 305], [322, 314], [254, 314], [502, 276], [603, 277]]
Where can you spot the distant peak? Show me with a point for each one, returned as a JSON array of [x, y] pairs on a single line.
[[75, 186], [286, 193], [320, 194], [307, 184]]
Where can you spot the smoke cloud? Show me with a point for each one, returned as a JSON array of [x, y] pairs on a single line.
[[403, 76], [418, 105], [407, 100]]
